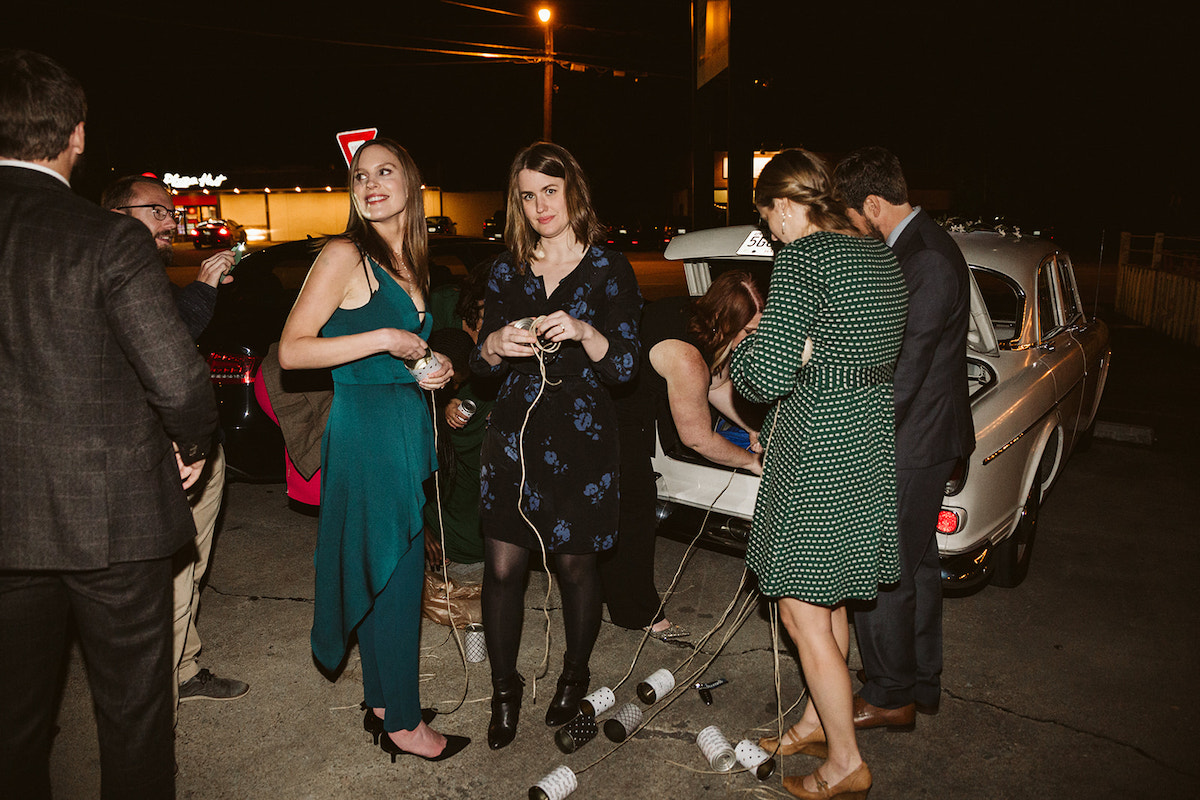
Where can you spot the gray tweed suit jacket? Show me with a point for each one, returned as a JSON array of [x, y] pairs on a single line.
[[97, 377]]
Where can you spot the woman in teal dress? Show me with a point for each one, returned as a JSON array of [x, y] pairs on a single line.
[[362, 311], [824, 527]]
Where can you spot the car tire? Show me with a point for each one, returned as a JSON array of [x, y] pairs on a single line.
[[197, 245], [1014, 553]]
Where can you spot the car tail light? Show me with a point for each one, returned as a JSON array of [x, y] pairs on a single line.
[[958, 478], [223, 231], [231, 368], [195, 232], [948, 521]]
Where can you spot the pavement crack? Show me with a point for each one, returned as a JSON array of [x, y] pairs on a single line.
[[216, 590], [1093, 734]]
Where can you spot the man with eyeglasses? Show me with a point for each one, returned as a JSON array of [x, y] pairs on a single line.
[[147, 199], [107, 416]]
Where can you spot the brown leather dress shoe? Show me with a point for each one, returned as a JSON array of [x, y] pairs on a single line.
[[922, 708], [813, 744], [852, 787], [894, 719]]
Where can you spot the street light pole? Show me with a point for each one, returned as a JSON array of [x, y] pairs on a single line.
[[548, 72]]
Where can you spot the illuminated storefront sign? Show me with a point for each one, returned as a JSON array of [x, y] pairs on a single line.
[[176, 181]]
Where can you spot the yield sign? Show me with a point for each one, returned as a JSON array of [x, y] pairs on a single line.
[[350, 141]]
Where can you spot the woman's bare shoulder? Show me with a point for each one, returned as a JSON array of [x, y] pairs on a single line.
[[675, 357], [340, 252]]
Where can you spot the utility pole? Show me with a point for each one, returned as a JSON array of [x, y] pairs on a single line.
[[548, 72]]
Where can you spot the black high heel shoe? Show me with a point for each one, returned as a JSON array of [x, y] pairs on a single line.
[[454, 746], [506, 710], [373, 723], [572, 687]]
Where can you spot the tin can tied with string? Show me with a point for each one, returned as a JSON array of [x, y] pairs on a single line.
[[717, 750], [657, 686], [555, 786], [424, 365]]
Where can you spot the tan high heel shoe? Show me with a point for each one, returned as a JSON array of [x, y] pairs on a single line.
[[852, 787], [813, 744]]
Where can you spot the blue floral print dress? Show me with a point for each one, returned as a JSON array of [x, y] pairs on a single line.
[[571, 446]]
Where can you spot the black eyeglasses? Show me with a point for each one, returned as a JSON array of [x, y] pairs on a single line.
[[160, 212]]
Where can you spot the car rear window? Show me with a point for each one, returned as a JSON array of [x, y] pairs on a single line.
[[1005, 303]]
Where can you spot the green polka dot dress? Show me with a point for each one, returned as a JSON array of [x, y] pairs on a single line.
[[825, 519]]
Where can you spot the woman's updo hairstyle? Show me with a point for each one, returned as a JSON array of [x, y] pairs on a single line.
[[804, 178]]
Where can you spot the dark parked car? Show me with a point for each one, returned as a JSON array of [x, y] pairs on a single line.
[[441, 225], [249, 317], [630, 236], [493, 227], [218, 233], [664, 233]]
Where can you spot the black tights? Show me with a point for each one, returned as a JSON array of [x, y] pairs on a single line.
[[506, 567]]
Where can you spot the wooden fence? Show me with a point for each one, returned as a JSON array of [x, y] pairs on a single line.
[[1158, 284]]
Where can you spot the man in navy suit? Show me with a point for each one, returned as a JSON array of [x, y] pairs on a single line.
[[106, 416], [900, 634]]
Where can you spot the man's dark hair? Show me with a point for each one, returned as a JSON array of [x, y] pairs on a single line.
[[870, 170], [40, 106], [120, 192]]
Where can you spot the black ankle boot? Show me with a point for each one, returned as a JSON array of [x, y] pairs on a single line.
[[506, 709], [572, 687]]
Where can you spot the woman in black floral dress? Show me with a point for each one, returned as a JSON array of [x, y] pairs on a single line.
[[562, 456]]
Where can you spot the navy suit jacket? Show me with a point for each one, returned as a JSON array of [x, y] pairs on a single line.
[[933, 410], [97, 377]]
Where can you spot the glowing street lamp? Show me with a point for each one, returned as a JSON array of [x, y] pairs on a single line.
[[548, 72]]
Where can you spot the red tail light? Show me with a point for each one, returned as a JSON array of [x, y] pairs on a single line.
[[223, 231], [195, 232], [230, 368], [948, 521]]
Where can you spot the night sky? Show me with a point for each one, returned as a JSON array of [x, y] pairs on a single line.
[[1070, 114]]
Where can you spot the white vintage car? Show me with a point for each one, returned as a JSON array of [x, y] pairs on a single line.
[[1037, 366]]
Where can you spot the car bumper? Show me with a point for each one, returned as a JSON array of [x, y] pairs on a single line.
[[964, 572], [961, 572], [252, 441]]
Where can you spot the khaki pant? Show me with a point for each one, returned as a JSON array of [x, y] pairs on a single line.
[[190, 565]]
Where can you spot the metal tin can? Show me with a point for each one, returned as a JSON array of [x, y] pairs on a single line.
[[467, 409], [420, 367]]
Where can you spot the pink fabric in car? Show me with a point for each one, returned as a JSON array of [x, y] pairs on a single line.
[[298, 489]]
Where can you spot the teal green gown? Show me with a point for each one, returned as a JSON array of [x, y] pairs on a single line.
[[377, 450]]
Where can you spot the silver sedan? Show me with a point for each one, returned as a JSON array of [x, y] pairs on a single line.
[[1037, 366]]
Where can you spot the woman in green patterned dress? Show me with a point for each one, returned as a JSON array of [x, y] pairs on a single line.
[[824, 526]]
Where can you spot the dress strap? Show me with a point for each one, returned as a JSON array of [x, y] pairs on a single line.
[[367, 272], [366, 262]]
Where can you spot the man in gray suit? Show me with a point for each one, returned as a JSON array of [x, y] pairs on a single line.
[[106, 416], [900, 635]]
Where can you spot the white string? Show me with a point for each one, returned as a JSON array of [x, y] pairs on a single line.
[[540, 348], [682, 686], [675, 580], [437, 483]]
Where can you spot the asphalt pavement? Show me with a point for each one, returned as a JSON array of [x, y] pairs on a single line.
[[1068, 686]]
